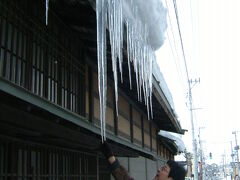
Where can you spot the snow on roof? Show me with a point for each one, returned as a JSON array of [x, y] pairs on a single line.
[[153, 14], [162, 83], [176, 137]]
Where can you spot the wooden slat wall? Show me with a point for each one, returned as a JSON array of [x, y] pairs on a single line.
[[25, 160], [137, 132], [87, 91], [109, 108], [109, 118], [154, 139], [146, 133], [47, 62], [124, 127], [124, 117]]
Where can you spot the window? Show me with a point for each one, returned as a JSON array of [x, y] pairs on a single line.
[[47, 63], [23, 161]]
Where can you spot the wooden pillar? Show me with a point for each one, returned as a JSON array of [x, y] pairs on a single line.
[[150, 132], [90, 94], [142, 128], [115, 117], [131, 122]]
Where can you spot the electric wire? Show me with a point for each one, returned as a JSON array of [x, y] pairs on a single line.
[[195, 39], [179, 71], [171, 27], [181, 41], [191, 15]]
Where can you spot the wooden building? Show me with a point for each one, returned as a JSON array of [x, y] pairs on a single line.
[[49, 103]]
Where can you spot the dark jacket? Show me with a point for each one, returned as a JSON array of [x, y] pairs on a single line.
[[119, 172]]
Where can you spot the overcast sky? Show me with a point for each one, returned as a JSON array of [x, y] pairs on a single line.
[[210, 32]]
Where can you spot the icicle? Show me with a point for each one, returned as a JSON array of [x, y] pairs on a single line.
[[111, 26], [104, 91], [120, 37], [46, 13], [150, 85], [116, 39], [102, 69], [140, 54], [148, 110], [128, 53]]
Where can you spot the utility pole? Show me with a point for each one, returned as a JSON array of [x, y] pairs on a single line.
[[201, 154], [236, 148], [233, 164], [194, 141], [224, 165]]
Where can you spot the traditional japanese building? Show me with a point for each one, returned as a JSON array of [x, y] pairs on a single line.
[[49, 102]]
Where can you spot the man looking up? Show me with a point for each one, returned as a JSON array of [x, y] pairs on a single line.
[[170, 171]]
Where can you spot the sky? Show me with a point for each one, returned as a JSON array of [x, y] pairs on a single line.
[[211, 36]]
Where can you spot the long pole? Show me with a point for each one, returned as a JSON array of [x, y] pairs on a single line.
[[233, 164], [194, 143], [190, 97], [224, 164], [200, 149], [236, 146], [201, 155], [235, 132]]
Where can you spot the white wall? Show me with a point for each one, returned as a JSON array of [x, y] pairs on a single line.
[[151, 169], [137, 168], [140, 168]]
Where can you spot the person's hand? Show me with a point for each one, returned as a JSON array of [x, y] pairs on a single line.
[[106, 150]]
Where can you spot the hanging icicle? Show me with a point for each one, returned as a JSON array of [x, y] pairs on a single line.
[[102, 61], [140, 54], [46, 11]]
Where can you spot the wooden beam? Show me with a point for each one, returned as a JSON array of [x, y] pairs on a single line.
[[142, 128], [150, 132], [91, 94], [131, 122], [157, 143], [115, 117]]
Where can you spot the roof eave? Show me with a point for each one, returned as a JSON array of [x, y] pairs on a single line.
[[158, 93]]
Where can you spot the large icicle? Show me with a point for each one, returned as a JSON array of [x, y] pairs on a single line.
[[102, 67], [129, 58], [140, 54], [46, 11], [115, 25]]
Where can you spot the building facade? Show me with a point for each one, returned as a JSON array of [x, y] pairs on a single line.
[[49, 103]]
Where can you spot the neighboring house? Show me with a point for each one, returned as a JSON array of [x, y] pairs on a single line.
[[49, 103]]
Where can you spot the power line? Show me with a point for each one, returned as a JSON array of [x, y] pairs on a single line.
[[191, 15], [180, 35], [195, 39], [174, 41], [177, 66], [179, 71]]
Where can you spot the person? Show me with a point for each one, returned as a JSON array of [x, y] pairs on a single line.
[[118, 171], [170, 171]]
